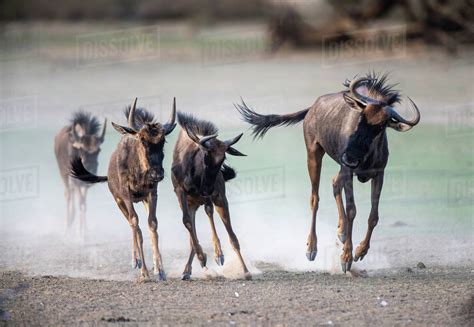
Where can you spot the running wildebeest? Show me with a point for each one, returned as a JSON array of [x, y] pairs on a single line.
[[135, 169], [199, 175], [79, 139], [350, 126]]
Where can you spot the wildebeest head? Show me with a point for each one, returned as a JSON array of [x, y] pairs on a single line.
[[214, 153], [151, 138], [376, 113], [84, 138]]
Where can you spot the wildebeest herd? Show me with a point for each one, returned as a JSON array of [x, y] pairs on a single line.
[[350, 126]]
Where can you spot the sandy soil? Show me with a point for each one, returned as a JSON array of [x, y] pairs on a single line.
[[407, 297]]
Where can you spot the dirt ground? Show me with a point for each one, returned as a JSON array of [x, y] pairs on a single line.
[[403, 297]]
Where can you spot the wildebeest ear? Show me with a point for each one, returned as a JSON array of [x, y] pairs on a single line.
[[235, 152], [123, 130], [353, 103]]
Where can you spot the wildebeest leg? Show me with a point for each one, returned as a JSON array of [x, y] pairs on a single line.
[[315, 160], [337, 184], [189, 265], [188, 221], [346, 257], [218, 255], [136, 262], [70, 198], [82, 192], [377, 183], [222, 208], [150, 204], [137, 235]]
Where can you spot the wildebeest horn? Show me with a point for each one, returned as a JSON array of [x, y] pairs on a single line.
[[204, 139], [234, 140], [131, 115], [170, 124], [399, 119], [355, 83], [104, 128]]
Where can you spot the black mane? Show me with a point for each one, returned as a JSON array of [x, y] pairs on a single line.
[[196, 126], [142, 117], [90, 123], [378, 87]]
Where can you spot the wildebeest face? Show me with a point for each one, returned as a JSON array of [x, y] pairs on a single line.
[[372, 122], [87, 145], [151, 141], [214, 156]]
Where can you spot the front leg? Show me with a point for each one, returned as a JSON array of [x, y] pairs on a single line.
[[150, 204], [218, 254], [363, 248], [222, 208], [346, 257]]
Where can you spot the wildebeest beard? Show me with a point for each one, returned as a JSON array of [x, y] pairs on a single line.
[[359, 143]]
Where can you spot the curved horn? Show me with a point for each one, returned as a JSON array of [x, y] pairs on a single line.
[[104, 128], [131, 115], [204, 139], [170, 124], [355, 83], [234, 140], [396, 116]]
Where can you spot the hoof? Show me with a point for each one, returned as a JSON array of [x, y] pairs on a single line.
[[346, 266], [357, 258], [203, 261], [220, 260], [186, 276], [160, 275], [136, 264], [311, 255], [342, 237], [248, 276]]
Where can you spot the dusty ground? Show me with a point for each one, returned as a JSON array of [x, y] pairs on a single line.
[[411, 297]]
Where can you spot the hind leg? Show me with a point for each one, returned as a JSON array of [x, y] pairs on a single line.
[[218, 254], [315, 160], [222, 208]]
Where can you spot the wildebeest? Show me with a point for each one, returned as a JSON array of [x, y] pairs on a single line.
[[135, 169], [81, 138], [199, 175], [350, 126]]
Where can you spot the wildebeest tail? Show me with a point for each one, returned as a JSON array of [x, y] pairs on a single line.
[[80, 172], [262, 123], [228, 172]]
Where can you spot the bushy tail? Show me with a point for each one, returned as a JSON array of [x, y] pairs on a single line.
[[228, 172], [262, 123], [80, 172]]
